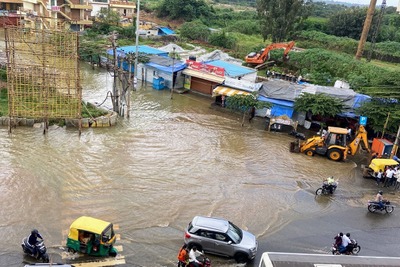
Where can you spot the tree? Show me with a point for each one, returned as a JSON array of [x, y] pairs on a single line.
[[318, 104], [377, 111], [184, 9], [279, 19], [243, 103], [194, 30]]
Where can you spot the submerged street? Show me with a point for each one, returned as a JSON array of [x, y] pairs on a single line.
[[172, 160]]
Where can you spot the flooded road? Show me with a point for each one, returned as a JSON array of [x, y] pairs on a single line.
[[172, 160]]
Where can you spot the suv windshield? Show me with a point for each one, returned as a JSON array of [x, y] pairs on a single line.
[[234, 233]]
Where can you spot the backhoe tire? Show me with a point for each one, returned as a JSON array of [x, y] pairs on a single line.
[[335, 154], [309, 152]]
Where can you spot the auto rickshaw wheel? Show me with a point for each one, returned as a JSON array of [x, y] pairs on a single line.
[[71, 250], [335, 154], [113, 254]]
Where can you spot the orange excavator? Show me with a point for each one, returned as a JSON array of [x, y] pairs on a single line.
[[255, 58]]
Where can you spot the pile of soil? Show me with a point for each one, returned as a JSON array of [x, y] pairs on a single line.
[[151, 17]]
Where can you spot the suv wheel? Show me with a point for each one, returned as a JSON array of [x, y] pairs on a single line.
[[241, 257]]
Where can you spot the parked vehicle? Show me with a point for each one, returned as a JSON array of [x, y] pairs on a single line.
[[327, 188], [376, 165], [374, 206], [352, 249], [221, 237], [333, 145], [92, 236]]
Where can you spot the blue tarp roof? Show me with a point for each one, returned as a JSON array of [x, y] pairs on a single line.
[[177, 67], [279, 107], [166, 31], [141, 49], [231, 70]]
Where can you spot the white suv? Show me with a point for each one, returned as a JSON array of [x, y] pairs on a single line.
[[221, 237]]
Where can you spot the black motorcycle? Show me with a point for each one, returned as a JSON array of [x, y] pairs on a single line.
[[352, 249], [40, 250], [326, 189], [374, 206]]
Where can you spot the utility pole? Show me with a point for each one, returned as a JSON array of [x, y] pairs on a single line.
[[367, 26], [396, 144], [136, 43], [173, 66], [376, 32], [115, 68]]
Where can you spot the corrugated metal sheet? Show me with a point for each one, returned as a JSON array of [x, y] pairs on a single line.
[[231, 70], [204, 75]]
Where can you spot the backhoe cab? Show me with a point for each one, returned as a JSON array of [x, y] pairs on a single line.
[[334, 144]]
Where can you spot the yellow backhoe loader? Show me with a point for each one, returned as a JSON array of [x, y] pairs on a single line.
[[333, 145]]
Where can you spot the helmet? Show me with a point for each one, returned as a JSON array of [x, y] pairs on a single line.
[[34, 232], [380, 192]]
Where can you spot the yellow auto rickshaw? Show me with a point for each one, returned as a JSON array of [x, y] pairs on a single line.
[[91, 236], [378, 164]]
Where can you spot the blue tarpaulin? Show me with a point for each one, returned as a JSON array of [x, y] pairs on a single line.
[[121, 51], [279, 107], [165, 31]]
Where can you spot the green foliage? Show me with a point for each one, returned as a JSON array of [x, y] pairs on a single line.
[[194, 30], [280, 18], [249, 27], [377, 111], [222, 39], [184, 9], [244, 102], [315, 24], [348, 23], [108, 16], [318, 104], [3, 102], [324, 10], [91, 111], [3, 74]]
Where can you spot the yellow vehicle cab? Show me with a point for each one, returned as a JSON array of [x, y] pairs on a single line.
[[378, 164], [92, 236]]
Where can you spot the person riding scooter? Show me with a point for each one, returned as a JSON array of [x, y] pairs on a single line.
[[32, 240]]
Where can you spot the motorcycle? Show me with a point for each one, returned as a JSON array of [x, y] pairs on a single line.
[[352, 249], [204, 261], [374, 206], [40, 250], [327, 188]]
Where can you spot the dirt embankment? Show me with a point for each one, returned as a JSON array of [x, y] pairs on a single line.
[[151, 17]]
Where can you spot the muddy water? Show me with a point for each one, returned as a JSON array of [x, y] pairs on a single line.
[[150, 174]]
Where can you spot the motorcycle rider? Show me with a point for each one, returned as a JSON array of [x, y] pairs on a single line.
[[32, 240], [338, 241], [331, 184], [193, 254], [379, 199], [345, 242]]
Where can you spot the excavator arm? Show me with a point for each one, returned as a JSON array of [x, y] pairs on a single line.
[[261, 58], [360, 136], [286, 46]]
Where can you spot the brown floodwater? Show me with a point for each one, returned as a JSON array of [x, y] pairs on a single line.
[[152, 173]]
